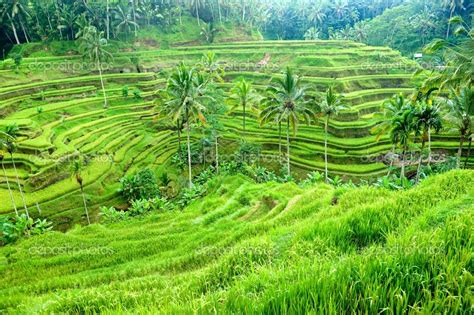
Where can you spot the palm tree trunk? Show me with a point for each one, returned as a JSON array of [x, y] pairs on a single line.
[[197, 13], [402, 173], [391, 161], [180, 152], [217, 155], [85, 205], [449, 24], [24, 31], [288, 146], [326, 149], [458, 163], [420, 161], [102, 81], [9, 189], [190, 173], [468, 151], [219, 9], [19, 187], [108, 20], [14, 29], [134, 17], [429, 146], [279, 141], [243, 106]]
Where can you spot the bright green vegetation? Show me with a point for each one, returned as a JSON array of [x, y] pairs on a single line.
[[332, 249], [61, 113]]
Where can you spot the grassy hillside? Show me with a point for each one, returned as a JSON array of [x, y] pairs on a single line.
[[261, 248], [57, 103]]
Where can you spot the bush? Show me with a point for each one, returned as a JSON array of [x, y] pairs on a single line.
[[125, 91], [111, 215], [17, 227], [142, 185], [137, 94], [190, 194]]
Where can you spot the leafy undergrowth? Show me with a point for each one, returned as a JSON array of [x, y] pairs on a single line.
[[261, 248]]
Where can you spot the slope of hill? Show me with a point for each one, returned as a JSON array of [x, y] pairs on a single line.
[[261, 248], [57, 103]]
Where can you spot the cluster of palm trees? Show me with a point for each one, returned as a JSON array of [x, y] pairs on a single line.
[[26, 21], [285, 103], [8, 140], [407, 119]]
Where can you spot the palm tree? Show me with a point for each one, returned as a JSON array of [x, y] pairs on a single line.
[[288, 105], [134, 12], [4, 144], [211, 67], [459, 59], [186, 90], [426, 117], [312, 33], [196, 4], [77, 168], [93, 46], [452, 5], [402, 126], [329, 107], [461, 107], [317, 15], [243, 94], [12, 132], [15, 10], [68, 20], [124, 21], [391, 108]]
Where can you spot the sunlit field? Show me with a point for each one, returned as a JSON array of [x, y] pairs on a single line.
[[255, 157]]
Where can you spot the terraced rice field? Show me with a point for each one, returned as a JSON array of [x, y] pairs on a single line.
[[60, 113], [268, 248]]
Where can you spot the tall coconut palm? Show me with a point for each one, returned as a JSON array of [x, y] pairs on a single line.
[[452, 5], [196, 4], [461, 108], [12, 132], [329, 107], [125, 23], [15, 10], [391, 107], [243, 95], [426, 118], [458, 56], [77, 168], [317, 15], [402, 127], [187, 91], [3, 145], [93, 46], [289, 105]]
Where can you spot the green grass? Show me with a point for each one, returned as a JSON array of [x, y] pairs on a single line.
[[260, 248], [72, 116]]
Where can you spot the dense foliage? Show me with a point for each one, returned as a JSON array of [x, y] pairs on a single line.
[[403, 24], [142, 185]]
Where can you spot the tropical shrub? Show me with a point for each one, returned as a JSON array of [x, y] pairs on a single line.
[[125, 91], [142, 185], [14, 228], [110, 214]]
